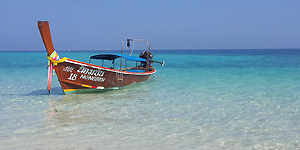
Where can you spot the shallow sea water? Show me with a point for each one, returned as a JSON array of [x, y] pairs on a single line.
[[201, 99]]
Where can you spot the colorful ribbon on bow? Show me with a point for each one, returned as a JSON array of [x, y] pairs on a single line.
[[53, 60]]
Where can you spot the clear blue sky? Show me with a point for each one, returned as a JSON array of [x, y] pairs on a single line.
[[168, 24]]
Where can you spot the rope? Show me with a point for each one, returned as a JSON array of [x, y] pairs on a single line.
[[55, 62], [54, 59]]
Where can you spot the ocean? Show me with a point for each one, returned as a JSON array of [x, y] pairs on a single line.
[[200, 99]]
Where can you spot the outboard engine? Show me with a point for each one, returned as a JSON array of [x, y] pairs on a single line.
[[144, 55]]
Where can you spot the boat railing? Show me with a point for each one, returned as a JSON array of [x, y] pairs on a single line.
[[128, 40], [129, 45]]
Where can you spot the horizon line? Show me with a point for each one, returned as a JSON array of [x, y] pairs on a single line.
[[159, 49]]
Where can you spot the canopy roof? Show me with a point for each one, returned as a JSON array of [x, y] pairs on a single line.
[[115, 56]]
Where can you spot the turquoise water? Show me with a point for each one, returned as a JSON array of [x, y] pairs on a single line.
[[200, 99]]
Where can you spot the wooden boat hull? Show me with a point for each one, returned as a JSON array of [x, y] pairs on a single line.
[[74, 75]]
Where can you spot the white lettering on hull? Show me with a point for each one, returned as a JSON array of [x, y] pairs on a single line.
[[87, 74], [91, 78], [73, 77], [68, 69], [91, 72]]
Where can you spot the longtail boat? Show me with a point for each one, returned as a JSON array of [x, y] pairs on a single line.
[[76, 76]]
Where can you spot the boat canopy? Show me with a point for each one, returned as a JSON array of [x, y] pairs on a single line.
[[115, 56]]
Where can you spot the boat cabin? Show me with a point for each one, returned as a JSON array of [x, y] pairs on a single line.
[[121, 62], [127, 63]]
